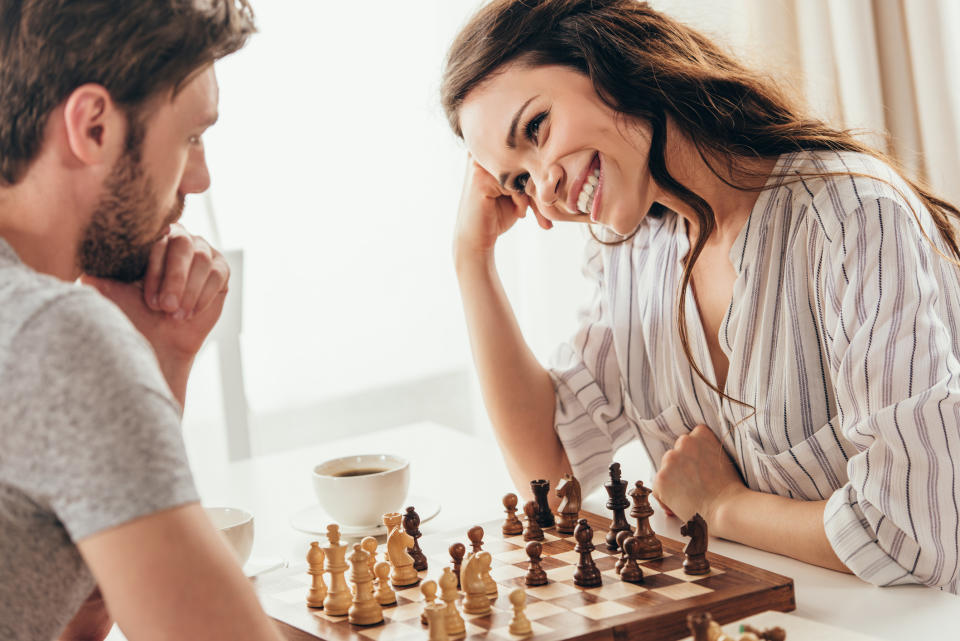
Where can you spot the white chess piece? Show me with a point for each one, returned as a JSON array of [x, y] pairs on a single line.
[[471, 580], [429, 591], [449, 593], [436, 614], [339, 597], [364, 610], [519, 624]]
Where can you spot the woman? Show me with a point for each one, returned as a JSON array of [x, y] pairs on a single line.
[[766, 287]]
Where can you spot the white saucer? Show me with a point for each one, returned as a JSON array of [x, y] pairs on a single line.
[[313, 520]]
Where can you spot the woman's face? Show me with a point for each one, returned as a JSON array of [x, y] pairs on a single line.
[[544, 131]]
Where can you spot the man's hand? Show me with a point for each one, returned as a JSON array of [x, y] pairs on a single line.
[[178, 302], [92, 622], [697, 476]]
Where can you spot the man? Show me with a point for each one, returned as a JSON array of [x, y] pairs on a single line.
[[102, 107]]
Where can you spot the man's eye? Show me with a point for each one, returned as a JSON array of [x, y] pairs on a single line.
[[520, 183], [533, 127]]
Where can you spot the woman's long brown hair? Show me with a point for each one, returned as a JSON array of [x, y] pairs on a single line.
[[649, 67]]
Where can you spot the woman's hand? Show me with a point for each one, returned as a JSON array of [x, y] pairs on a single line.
[[697, 476], [487, 211]]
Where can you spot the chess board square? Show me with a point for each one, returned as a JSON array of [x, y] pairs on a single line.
[[645, 600], [683, 591], [547, 536], [322, 614], [578, 599], [663, 564], [603, 610], [403, 612], [654, 581], [541, 609], [551, 590], [493, 546], [563, 573], [512, 556], [547, 563], [504, 632], [613, 590], [558, 546], [606, 562], [683, 576], [410, 594], [571, 557], [392, 632], [297, 595], [612, 574], [505, 572]]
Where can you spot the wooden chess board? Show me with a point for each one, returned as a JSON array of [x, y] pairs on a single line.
[[654, 610]]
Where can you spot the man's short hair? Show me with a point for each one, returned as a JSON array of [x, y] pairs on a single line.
[[136, 49]]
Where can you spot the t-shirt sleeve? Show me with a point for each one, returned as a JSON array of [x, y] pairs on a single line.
[[897, 384], [99, 440], [590, 416]]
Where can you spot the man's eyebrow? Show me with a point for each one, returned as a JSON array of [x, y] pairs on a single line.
[[512, 135]]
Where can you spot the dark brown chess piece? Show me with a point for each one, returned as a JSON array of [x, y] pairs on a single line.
[[650, 545], [587, 574], [541, 492], [535, 574], [617, 491], [457, 550], [532, 531], [475, 534], [621, 537], [411, 525], [695, 553], [512, 525], [568, 489], [631, 572]]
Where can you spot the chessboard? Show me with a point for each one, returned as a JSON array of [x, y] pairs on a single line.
[[654, 610]]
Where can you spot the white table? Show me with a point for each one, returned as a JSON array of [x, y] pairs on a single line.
[[467, 476]]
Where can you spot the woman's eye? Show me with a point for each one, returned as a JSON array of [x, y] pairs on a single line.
[[520, 183], [533, 127]]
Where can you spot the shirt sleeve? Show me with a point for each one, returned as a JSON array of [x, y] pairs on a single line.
[[99, 440], [590, 415], [889, 323]]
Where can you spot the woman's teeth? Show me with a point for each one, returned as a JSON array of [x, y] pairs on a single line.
[[588, 191]]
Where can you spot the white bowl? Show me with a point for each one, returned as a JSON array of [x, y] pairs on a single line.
[[359, 501], [236, 526]]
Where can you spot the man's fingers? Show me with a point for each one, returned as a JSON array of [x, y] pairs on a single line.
[[216, 283], [176, 271], [151, 282], [200, 273]]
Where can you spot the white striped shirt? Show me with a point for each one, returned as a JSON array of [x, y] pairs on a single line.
[[843, 332]]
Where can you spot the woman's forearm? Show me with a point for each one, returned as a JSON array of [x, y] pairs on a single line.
[[777, 524], [517, 390]]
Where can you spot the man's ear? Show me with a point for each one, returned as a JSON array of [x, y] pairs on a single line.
[[94, 125]]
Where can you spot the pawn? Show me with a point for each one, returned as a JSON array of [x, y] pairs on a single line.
[[457, 550], [519, 624], [587, 574], [621, 537], [369, 544], [437, 614], [318, 589], [449, 593], [429, 591], [512, 525], [532, 532], [475, 534], [535, 574], [385, 593], [631, 572]]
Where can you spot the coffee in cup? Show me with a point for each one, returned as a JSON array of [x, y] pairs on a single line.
[[355, 491]]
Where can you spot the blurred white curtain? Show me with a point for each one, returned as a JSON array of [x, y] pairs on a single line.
[[886, 67]]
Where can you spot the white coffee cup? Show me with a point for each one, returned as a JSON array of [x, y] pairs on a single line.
[[356, 491], [236, 526]]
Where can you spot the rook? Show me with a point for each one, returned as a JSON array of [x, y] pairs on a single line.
[[541, 491]]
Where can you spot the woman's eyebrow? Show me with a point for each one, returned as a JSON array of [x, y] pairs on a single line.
[[512, 134]]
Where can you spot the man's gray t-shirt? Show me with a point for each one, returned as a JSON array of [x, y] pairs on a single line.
[[89, 439]]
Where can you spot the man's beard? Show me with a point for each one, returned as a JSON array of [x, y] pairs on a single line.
[[116, 243]]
